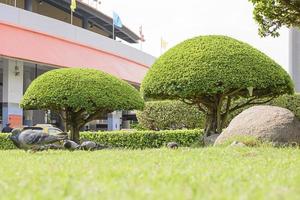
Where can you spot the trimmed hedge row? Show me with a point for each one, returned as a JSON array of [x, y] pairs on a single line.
[[133, 139]]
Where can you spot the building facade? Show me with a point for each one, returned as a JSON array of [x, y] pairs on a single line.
[[36, 36]]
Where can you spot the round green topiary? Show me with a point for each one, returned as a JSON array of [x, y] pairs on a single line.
[[209, 65], [81, 95], [209, 70]]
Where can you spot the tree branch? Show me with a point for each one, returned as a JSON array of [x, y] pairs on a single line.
[[201, 108], [250, 102]]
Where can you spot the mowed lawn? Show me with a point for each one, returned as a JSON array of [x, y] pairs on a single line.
[[207, 173]]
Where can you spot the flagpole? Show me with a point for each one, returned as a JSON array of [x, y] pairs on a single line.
[[160, 45], [71, 17], [113, 31]]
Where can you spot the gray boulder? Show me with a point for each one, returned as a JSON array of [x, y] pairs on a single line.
[[210, 140], [266, 123]]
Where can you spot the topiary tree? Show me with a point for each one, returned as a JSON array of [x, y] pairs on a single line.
[[164, 115], [211, 71], [80, 96]]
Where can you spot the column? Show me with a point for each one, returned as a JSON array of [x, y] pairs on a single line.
[[28, 5], [294, 58], [85, 23], [12, 93], [114, 121]]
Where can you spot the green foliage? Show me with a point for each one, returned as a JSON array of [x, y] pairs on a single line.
[[76, 89], [272, 14], [162, 115], [210, 65], [145, 139], [133, 139], [5, 142], [291, 102]]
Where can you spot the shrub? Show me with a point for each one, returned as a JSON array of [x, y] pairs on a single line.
[[5, 142], [166, 115], [80, 96], [291, 102], [133, 139], [211, 71]]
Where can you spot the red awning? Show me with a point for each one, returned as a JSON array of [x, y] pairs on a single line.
[[21, 43]]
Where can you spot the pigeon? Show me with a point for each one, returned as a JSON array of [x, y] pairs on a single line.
[[34, 139], [71, 145], [172, 145], [90, 146]]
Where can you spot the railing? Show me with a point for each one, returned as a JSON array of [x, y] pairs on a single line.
[[92, 3]]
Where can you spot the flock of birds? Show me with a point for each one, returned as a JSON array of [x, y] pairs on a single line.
[[37, 140]]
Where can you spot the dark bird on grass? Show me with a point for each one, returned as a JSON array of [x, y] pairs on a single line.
[[91, 146], [172, 145], [34, 139], [71, 145]]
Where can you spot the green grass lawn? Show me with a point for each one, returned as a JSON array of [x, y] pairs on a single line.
[[208, 173]]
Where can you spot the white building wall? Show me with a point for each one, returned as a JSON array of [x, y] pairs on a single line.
[[294, 57]]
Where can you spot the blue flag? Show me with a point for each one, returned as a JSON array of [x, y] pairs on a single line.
[[117, 20]]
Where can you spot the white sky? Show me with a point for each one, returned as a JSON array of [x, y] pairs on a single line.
[[176, 20]]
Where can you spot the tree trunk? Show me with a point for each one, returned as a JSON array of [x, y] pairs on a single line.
[[74, 134], [211, 123]]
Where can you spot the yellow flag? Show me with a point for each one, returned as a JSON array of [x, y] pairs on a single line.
[[73, 5], [163, 43]]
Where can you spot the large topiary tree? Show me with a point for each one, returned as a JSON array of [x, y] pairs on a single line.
[[164, 115], [80, 96], [211, 71]]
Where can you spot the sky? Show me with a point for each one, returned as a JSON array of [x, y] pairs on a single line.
[[177, 20]]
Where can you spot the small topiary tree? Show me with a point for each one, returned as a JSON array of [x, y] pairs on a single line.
[[80, 96], [211, 71], [166, 115]]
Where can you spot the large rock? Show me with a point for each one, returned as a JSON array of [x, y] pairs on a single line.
[[269, 123]]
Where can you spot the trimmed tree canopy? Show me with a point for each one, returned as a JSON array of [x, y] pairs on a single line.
[[80, 95], [209, 65], [209, 70]]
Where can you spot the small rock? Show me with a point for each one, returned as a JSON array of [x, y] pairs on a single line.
[[172, 145], [91, 146], [71, 145], [237, 144], [210, 140]]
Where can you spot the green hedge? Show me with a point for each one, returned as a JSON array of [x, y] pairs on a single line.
[[5, 143], [133, 139], [170, 115]]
